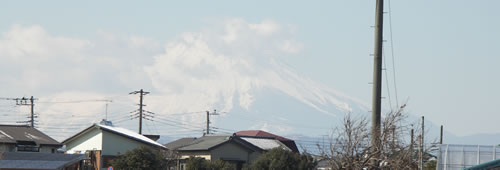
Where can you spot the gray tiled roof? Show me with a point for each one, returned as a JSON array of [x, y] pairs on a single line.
[[206, 142], [13, 133], [179, 143], [36, 160]]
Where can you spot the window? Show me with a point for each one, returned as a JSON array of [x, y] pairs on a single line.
[[27, 146]]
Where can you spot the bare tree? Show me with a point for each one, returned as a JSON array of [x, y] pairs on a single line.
[[349, 145]]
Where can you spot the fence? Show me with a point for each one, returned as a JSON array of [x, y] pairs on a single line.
[[456, 157]]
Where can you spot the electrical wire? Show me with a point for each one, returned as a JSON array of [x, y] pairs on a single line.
[[392, 54], [387, 80]]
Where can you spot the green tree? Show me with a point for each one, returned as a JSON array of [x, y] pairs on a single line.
[[431, 165], [283, 159], [140, 158], [197, 163]]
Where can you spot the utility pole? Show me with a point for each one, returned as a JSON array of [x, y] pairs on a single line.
[[208, 119], [24, 102], [393, 138], [422, 145], [377, 82], [412, 142], [208, 122], [32, 104], [141, 94], [441, 136]]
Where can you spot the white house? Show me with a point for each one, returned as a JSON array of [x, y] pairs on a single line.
[[104, 142]]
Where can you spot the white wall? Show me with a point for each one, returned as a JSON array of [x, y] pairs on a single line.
[[91, 140]]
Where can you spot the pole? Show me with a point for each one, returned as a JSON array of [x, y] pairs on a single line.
[[208, 122], [412, 142], [441, 136], [141, 96], [32, 112], [393, 138], [422, 145], [140, 111], [377, 82]]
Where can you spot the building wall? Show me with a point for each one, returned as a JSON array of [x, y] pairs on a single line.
[[230, 151], [89, 141], [48, 149], [114, 144], [7, 148], [254, 156]]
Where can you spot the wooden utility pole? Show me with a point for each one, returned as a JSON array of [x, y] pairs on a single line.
[[141, 94], [377, 82]]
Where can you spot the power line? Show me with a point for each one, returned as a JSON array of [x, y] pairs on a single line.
[[24, 102], [76, 101], [387, 80], [141, 116], [208, 120], [392, 53]]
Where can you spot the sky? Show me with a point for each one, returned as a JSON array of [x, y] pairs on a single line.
[[441, 57]]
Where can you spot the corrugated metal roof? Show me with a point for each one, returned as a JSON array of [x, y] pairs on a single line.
[[260, 133], [119, 131], [265, 144], [35, 160], [130, 134], [14, 133]]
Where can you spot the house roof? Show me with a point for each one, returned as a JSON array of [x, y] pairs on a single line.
[[14, 133], [119, 131], [260, 133], [179, 143], [265, 143], [206, 142], [37, 160]]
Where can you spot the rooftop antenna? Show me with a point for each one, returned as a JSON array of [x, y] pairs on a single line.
[[107, 103]]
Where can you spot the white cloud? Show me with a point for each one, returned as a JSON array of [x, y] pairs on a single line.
[[197, 71], [291, 46], [34, 43]]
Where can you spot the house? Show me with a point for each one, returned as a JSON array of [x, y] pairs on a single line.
[[40, 161], [227, 147], [22, 138], [105, 142], [260, 133]]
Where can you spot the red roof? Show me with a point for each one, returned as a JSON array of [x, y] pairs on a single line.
[[260, 133]]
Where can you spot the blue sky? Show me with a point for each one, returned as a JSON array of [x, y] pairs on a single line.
[[445, 51]]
